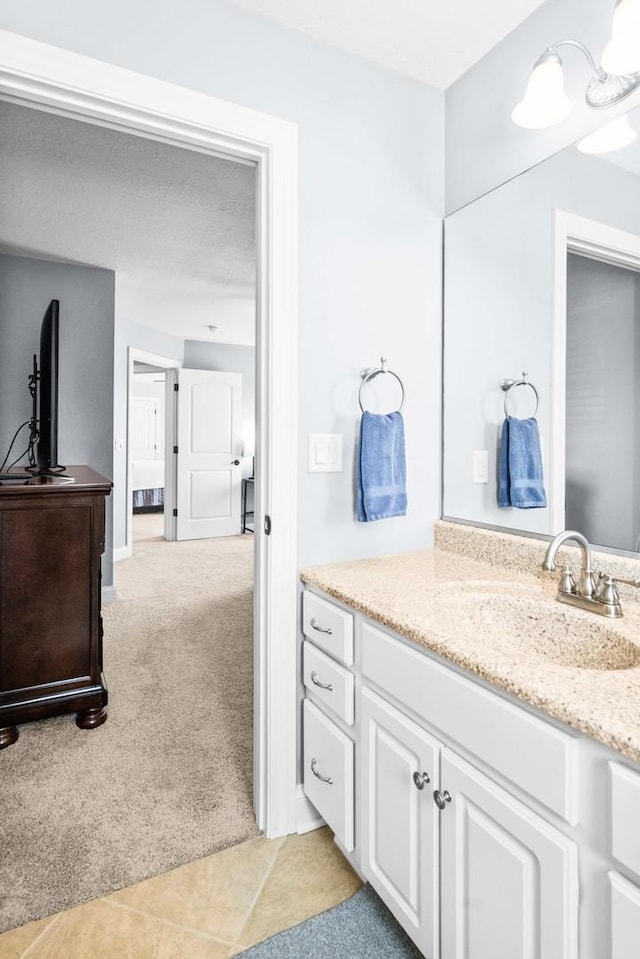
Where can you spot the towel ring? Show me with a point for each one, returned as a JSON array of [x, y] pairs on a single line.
[[510, 385], [368, 375]]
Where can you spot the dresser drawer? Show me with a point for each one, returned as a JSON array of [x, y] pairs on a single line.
[[330, 683], [625, 804], [328, 772], [533, 754], [330, 627]]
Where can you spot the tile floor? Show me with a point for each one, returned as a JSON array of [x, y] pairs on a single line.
[[209, 909]]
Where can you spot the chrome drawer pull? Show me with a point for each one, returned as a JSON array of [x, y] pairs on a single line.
[[316, 682], [320, 629], [314, 770]]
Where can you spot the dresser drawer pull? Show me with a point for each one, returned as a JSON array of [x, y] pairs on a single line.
[[314, 770], [316, 682], [320, 629]]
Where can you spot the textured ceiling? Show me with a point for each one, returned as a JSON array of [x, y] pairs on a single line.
[[435, 41], [178, 227]]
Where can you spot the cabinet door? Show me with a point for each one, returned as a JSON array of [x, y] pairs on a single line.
[[625, 917], [509, 879], [399, 820]]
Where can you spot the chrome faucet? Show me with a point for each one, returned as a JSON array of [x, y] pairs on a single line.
[[601, 597]]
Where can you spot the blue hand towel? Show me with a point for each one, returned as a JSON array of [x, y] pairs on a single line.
[[382, 473], [520, 481]]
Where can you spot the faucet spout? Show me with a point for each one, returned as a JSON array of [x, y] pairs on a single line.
[[552, 550]]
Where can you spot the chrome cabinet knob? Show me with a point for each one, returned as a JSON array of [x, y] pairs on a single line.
[[420, 780], [441, 798]]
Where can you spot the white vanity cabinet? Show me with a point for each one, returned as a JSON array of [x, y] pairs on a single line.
[[490, 830], [328, 714]]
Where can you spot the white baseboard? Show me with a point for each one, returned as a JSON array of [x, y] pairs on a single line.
[[122, 552], [307, 816], [108, 595]]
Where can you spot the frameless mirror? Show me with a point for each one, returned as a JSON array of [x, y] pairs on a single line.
[[542, 275]]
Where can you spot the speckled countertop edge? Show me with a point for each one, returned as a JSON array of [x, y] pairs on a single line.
[[502, 623]]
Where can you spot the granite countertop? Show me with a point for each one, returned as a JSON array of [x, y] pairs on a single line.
[[505, 625]]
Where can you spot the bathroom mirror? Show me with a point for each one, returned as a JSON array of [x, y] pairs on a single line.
[[542, 275]]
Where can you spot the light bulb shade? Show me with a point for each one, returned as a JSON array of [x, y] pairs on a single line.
[[544, 103], [621, 55], [613, 136]]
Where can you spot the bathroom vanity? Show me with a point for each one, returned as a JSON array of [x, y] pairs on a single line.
[[475, 747]]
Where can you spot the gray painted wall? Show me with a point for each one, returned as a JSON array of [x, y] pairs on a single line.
[[371, 201], [131, 334], [483, 145], [230, 359], [85, 360]]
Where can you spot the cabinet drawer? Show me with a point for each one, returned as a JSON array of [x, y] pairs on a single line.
[[328, 772], [625, 803], [530, 752], [330, 683], [330, 627]]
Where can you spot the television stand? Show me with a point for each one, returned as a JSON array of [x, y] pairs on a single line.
[[51, 541]]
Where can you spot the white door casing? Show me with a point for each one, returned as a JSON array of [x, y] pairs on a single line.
[[574, 234], [65, 83], [209, 449]]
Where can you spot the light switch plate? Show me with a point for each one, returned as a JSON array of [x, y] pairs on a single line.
[[325, 452], [480, 466]]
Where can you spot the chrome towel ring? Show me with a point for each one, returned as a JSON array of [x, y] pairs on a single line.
[[510, 385], [368, 375]]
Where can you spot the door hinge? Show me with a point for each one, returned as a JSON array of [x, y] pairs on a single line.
[[176, 387], [175, 449], [267, 526], [175, 512]]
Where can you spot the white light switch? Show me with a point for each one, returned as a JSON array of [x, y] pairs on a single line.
[[480, 466], [325, 452]]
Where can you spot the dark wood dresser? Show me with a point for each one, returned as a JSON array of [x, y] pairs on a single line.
[[51, 541]]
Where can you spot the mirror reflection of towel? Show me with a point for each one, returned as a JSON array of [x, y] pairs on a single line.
[[381, 482], [520, 481]]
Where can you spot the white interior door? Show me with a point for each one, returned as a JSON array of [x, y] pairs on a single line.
[[145, 431], [209, 448]]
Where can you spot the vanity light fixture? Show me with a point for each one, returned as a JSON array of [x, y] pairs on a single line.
[[545, 103], [613, 136]]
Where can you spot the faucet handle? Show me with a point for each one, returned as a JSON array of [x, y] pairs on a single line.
[[628, 582], [567, 583], [606, 591]]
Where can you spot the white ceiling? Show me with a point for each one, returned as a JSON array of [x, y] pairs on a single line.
[[435, 41], [178, 227]]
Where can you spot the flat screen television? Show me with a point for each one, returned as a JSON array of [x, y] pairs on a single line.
[[47, 393]]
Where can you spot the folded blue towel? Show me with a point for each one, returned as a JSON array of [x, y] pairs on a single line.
[[520, 481], [382, 472]]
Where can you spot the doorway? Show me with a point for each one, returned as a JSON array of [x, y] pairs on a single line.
[[75, 86]]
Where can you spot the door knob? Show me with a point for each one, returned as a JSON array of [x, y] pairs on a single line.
[[235, 462]]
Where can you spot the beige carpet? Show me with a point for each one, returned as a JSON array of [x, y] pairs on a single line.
[[167, 779]]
